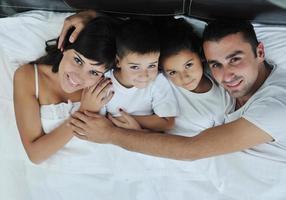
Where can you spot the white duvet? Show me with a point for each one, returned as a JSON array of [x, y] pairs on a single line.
[[22, 39]]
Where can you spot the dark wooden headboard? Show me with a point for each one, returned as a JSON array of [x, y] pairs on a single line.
[[265, 11]]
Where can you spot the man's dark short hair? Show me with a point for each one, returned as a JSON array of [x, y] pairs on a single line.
[[137, 36], [218, 29]]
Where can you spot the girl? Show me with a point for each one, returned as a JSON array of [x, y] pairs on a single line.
[[201, 101], [48, 97]]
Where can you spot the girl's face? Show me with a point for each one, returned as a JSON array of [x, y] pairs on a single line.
[[138, 70], [77, 72], [184, 69]]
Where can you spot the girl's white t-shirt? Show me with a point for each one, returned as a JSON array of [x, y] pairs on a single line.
[[199, 111]]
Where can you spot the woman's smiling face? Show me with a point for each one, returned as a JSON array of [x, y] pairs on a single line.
[[77, 72]]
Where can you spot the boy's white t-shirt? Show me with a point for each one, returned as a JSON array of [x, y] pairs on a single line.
[[157, 98], [199, 111]]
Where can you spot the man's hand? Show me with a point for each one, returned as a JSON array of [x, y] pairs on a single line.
[[95, 97], [92, 127], [78, 21], [125, 121]]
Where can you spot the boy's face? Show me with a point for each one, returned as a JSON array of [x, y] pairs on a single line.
[[138, 70], [184, 69], [234, 64]]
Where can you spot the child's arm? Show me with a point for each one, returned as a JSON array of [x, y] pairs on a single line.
[[151, 122], [156, 123], [164, 104], [38, 145]]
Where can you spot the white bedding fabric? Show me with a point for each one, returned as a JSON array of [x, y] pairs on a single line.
[[22, 39]]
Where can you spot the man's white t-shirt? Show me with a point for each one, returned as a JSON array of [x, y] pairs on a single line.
[[157, 98], [259, 171], [266, 109]]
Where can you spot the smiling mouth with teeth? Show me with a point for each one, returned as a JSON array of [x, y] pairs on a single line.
[[233, 85]]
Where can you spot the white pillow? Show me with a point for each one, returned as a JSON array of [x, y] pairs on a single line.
[[23, 35], [274, 39]]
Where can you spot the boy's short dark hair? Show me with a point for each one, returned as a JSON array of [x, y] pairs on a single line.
[[137, 36], [218, 29], [178, 35]]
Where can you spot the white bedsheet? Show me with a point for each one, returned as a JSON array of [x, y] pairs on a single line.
[[22, 40]]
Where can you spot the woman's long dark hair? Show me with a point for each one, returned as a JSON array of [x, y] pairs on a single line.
[[95, 42]]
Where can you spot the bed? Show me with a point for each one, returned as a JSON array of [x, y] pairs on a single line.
[[22, 37]]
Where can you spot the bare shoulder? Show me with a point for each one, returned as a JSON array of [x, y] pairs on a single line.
[[24, 78], [24, 71]]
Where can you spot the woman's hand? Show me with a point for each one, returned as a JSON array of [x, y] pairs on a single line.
[[95, 97], [78, 21], [125, 121]]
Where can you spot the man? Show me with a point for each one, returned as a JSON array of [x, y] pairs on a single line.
[[253, 124]]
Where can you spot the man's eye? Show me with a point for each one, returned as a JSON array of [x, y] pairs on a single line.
[[235, 60], [134, 67], [94, 73], [77, 60], [189, 65]]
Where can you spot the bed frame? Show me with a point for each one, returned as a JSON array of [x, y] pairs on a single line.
[[264, 11]]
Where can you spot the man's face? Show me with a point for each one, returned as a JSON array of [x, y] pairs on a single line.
[[234, 64]]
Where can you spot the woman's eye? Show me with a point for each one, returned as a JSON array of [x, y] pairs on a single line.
[[77, 60], [134, 67], [189, 65], [94, 73]]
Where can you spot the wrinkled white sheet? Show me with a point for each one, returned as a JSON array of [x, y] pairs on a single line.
[[22, 39]]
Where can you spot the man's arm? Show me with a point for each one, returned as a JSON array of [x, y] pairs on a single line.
[[77, 21], [234, 136]]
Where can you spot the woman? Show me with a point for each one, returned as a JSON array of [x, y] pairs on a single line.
[[45, 101]]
